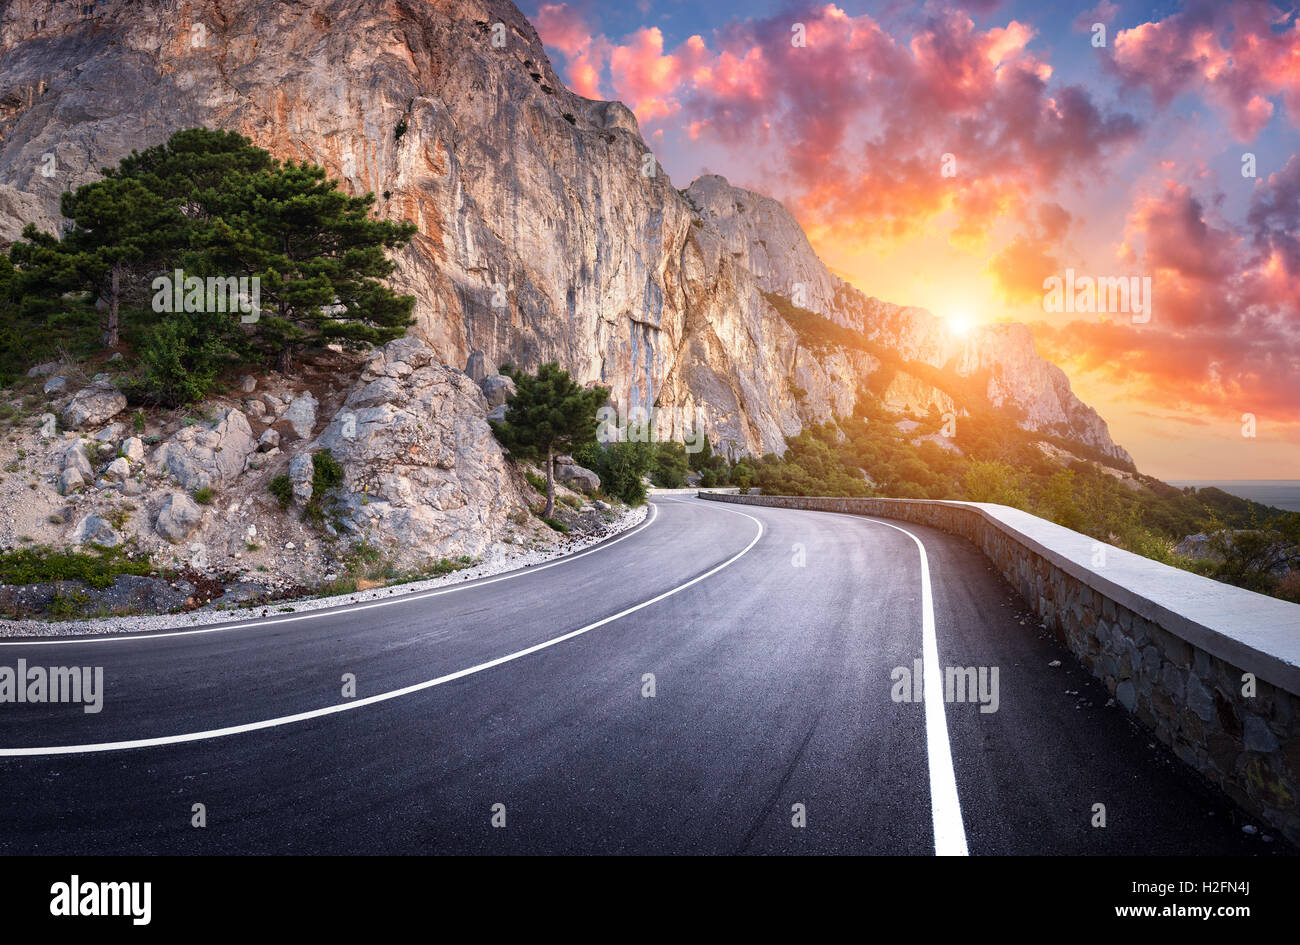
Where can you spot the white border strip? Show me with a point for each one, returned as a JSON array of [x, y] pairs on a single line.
[[333, 611], [945, 806], [382, 697]]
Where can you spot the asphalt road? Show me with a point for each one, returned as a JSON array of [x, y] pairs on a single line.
[[772, 637]]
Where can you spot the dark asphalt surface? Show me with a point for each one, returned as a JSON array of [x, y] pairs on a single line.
[[772, 688]]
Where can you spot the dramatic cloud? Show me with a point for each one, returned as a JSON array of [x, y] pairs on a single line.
[[1275, 216], [1240, 55], [1207, 373], [1224, 335]]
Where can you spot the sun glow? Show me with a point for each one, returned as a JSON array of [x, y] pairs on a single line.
[[960, 324]]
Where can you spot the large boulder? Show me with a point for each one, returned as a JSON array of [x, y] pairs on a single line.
[[133, 449], [574, 475], [43, 370], [178, 517], [94, 405], [95, 530], [201, 456], [70, 480], [497, 388], [119, 470], [424, 478], [75, 457], [301, 414]]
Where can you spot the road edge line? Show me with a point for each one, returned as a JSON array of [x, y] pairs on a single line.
[[381, 697]]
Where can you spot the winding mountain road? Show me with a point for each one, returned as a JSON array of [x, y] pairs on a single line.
[[772, 637]]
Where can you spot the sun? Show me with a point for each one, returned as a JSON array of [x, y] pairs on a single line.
[[960, 324]]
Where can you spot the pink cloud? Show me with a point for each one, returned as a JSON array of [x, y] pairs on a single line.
[[1229, 52]]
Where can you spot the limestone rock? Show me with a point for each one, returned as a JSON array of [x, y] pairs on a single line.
[[75, 458], [658, 294], [476, 366], [119, 470], [300, 473], [579, 476], [423, 474], [498, 388], [93, 405], [201, 456], [55, 386], [70, 480], [95, 530], [133, 449], [178, 517], [301, 414]]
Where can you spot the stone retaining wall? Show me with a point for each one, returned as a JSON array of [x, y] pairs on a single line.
[[1173, 648]]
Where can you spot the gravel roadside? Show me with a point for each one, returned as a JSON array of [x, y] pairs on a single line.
[[499, 560]]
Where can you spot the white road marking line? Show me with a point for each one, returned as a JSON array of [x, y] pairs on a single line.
[[945, 806], [382, 697], [334, 611]]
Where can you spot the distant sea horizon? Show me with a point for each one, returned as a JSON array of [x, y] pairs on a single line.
[[1279, 493]]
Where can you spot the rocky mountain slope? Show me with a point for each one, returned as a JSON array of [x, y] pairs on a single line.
[[546, 229], [422, 484]]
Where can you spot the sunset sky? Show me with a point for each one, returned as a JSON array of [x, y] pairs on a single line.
[[1120, 160]]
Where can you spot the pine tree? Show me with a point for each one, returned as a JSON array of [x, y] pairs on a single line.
[[549, 414], [120, 232], [211, 203], [320, 256]]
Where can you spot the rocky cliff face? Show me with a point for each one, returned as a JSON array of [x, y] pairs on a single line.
[[546, 229]]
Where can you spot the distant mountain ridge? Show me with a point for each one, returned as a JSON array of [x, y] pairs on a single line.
[[541, 237]]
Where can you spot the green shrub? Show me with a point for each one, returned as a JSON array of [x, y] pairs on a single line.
[[202, 495], [41, 564], [326, 475], [182, 355], [670, 465], [556, 524], [282, 488], [536, 481], [620, 467]]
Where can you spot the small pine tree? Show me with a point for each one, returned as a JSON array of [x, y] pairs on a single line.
[[120, 232], [320, 256], [549, 414]]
